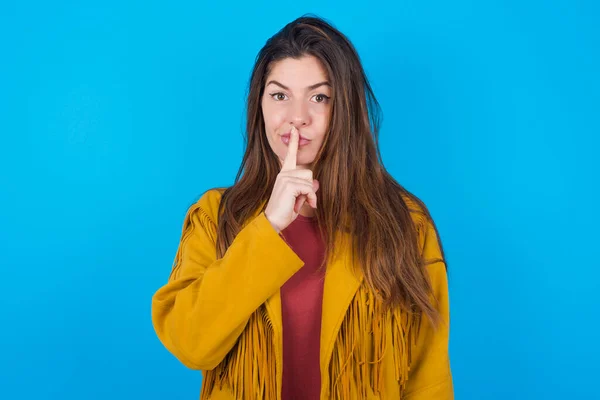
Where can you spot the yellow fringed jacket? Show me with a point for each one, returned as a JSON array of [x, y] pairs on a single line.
[[223, 316]]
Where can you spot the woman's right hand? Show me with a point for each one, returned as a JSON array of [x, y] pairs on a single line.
[[292, 188]]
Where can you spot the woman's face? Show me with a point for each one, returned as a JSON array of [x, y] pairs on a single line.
[[297, 92]]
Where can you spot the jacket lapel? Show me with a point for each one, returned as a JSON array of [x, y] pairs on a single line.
[[342, 280]]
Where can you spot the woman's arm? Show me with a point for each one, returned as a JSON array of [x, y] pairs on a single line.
[[430, 376], [200, 312]]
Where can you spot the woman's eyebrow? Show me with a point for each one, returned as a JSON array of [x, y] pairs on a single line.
[[311, 87]]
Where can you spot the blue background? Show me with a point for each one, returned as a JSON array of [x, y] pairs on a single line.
[[115, 117]]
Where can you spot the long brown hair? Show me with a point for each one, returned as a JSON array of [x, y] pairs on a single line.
[[356, 192]]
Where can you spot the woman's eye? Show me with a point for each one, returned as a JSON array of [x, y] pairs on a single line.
[[278, 96], [321, 98]]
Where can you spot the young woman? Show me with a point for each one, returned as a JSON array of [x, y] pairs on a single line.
[[316, 275]]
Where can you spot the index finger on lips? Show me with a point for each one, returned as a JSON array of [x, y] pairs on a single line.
[[289, 162]]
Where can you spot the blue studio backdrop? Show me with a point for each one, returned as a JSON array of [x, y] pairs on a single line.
[[116, 115]]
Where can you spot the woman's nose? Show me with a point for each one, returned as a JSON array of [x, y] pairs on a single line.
[[299, 114]]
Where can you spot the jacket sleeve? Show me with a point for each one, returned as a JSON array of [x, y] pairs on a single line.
[[201, 311], [430, 376]]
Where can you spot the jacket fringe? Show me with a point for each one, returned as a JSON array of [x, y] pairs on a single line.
[[195, 214], [249, 369], [350, 364]]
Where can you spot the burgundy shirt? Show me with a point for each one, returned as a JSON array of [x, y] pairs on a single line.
[[301, 302]]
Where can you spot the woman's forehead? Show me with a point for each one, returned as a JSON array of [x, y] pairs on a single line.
[[297, 74]]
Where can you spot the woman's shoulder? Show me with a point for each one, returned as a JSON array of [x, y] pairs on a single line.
[[209, 201], [417, 208]]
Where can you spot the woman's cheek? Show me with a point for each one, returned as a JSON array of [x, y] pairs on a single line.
[[319, 108]]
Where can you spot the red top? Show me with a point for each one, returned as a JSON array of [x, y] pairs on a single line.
[[301, 301]]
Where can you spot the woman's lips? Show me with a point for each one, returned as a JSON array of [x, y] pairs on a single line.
[[285, 138]]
